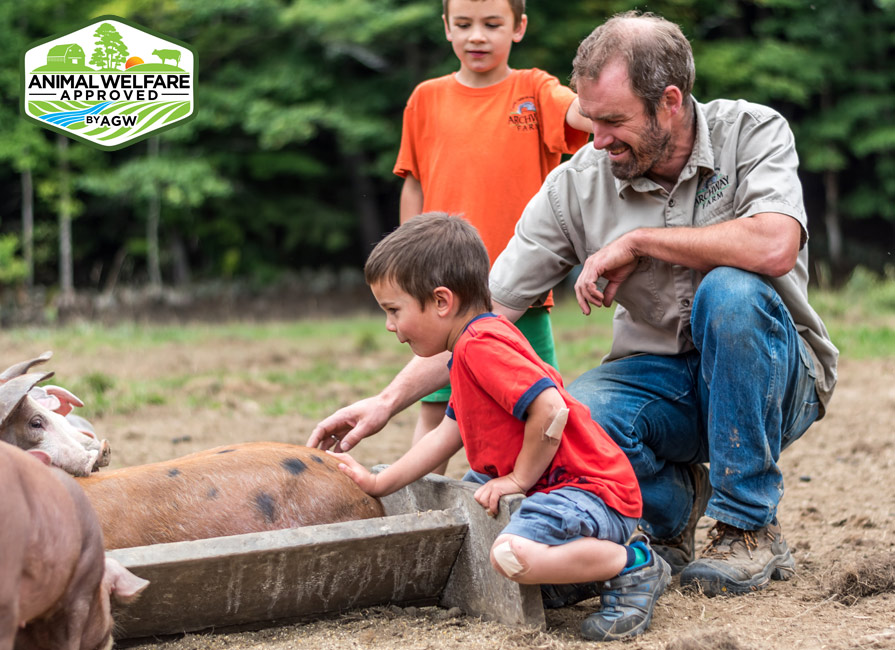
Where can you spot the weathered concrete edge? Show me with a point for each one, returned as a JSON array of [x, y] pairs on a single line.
[[161, 554], [473, 586]]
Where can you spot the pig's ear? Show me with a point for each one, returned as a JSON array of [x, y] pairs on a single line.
[[66, 400], [41, 455], [123, 584]]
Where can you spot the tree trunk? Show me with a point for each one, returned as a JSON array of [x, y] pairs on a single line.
[[153, 218], [180, 259], [66, 270], [28, 226], [364, 194], [831, 218]]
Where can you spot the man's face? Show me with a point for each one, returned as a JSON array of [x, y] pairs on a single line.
[[634, 142]]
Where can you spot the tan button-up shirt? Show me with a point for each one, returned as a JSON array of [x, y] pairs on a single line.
[[744, 162]]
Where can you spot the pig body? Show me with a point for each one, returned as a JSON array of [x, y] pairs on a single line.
[[229, 490], [55, 582]]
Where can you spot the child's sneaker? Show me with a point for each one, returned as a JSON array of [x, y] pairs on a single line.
[[627, 601]]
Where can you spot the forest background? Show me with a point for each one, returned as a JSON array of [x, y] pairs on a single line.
[[282, 182]]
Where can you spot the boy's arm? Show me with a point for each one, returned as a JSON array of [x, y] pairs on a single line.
[[539, 446], [411, 198], [432, 450], [576, 120]]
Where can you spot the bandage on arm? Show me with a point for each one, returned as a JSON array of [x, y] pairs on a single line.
[[547, 417]]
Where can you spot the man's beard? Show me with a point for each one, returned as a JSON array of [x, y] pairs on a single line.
[[654, 147]]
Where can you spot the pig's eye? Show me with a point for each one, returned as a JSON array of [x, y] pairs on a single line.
[[37, 422]]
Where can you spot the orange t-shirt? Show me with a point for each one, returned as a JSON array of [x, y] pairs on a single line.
[[482, 153]]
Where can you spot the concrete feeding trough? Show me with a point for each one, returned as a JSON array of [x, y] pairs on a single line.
[[431, 548]]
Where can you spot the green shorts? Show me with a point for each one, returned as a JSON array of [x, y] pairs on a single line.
[[535, 325]]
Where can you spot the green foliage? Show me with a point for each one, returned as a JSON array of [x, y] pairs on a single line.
[[287, 164], [12, 267]]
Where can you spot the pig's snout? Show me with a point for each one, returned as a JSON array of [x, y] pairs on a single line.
[[105, 455]]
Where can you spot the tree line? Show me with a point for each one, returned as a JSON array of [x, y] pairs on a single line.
[[287, 164]]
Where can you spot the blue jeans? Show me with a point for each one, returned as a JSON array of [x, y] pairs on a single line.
[[563, 515], [745, 393]]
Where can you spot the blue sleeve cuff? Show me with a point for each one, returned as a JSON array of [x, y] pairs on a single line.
[[529, 396]]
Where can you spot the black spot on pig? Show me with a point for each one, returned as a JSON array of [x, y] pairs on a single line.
[[267, 506], [226, 451], [317, 459], [294, 465], [173, 472], [212, 493]]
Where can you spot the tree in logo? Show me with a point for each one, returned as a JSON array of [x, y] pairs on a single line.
[[110, 52]]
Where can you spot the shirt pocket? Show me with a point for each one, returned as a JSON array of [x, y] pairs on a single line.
[[714, 201]]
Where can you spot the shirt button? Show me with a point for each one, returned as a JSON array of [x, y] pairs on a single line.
[[685, 302], [671, 203]]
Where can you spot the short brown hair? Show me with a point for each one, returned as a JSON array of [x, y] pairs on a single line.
[[434, 250], [655, 51], [518, 7]]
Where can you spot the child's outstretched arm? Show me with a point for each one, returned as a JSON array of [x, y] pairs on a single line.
[[547, 416], [432, 450]]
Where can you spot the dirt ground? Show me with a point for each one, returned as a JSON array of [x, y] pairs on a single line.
[[838, 515]]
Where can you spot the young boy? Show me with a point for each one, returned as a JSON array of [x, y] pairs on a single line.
[[522, 432], [479, 143]]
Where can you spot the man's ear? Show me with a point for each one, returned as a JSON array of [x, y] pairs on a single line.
[[672, 100], [447, 28], [445, 300]]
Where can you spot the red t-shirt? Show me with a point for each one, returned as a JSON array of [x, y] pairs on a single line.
[[495, 376]]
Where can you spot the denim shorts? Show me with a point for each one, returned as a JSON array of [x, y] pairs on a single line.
[[564, 515]]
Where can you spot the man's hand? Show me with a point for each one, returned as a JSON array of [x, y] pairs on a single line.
[[615, 262], [342, 430], [364, 478], [488, 495]]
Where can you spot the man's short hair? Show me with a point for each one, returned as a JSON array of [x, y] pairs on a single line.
[[434, 250], [518, 7], [655, 51]]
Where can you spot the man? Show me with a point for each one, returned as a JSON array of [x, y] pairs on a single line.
[[691, 217]]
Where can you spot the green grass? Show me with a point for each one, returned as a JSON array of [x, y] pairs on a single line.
[[860, 317], [335, 361]]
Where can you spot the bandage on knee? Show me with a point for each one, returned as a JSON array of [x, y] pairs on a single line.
[[506, 559]]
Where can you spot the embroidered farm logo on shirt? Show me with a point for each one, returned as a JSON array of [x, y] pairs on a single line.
[[524, 115], [712, 189], [109, 84]]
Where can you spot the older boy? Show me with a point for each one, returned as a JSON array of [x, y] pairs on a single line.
[[479, 143], [522, 432]]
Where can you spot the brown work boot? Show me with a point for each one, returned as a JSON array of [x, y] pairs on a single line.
[[737, 561], [680, 550]]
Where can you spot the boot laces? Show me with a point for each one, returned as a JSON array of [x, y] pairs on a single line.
[[723, 537]]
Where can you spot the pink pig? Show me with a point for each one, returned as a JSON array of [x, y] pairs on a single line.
[[55, 581]]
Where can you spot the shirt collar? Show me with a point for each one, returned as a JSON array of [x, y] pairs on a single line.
[[486, 314]]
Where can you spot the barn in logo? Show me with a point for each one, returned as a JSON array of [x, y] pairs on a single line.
[[109, 84]]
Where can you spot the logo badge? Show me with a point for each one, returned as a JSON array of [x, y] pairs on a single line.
[[109, 84]]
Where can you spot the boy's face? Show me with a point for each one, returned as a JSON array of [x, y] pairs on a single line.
[[421, 328], [482, 32]]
